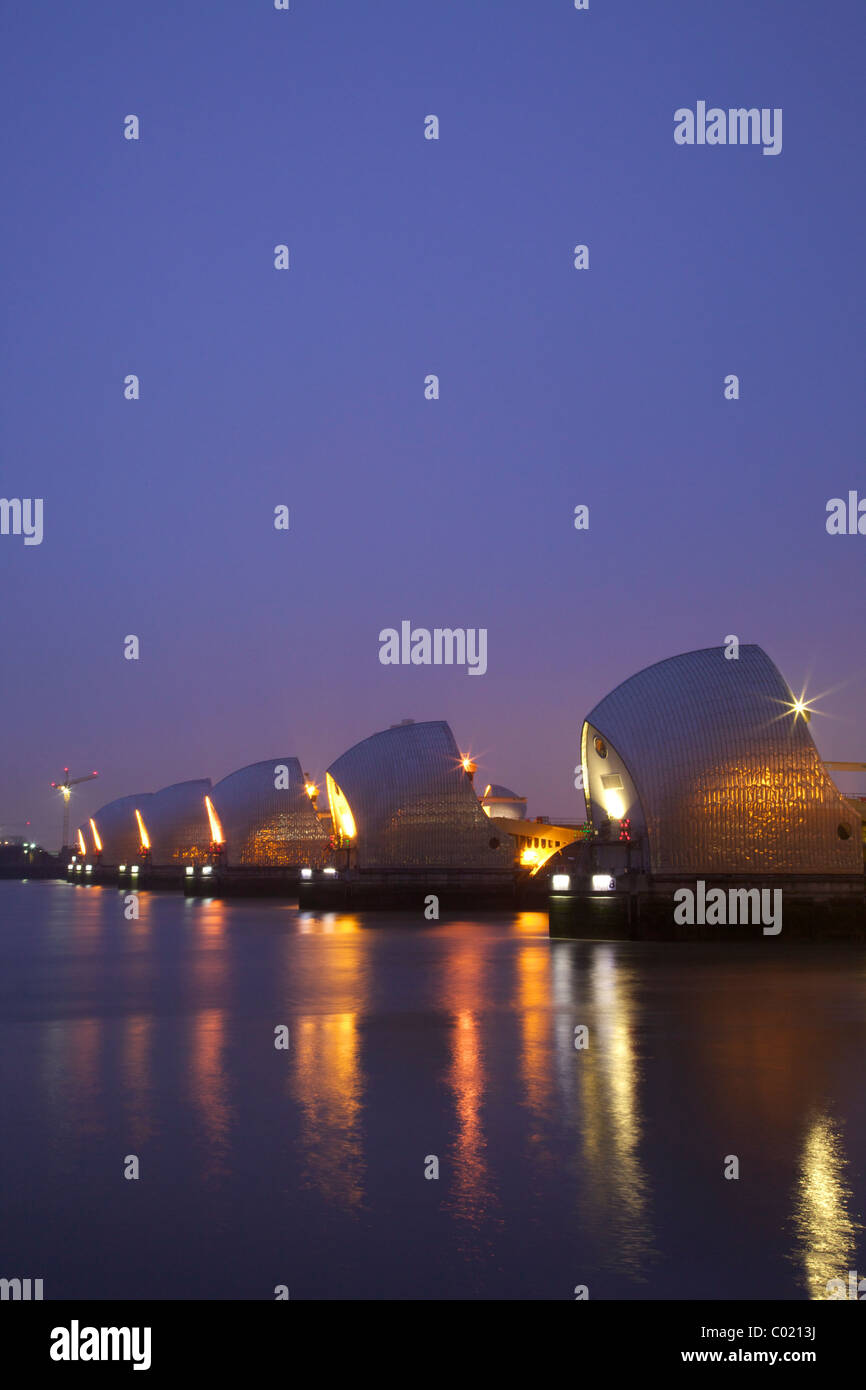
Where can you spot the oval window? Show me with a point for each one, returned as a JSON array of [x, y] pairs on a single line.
[[843, 832], [601, 747]]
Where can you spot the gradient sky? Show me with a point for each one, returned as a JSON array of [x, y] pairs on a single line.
[[305, 387]]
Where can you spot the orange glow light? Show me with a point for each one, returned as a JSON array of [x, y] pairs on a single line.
[[341, 812], [81, 845], [97, 843], [534, 858], [145, 838], [216, 830]]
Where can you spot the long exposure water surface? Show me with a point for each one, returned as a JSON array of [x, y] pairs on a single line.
[[602, 1166]]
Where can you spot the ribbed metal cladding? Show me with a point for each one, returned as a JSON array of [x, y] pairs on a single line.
[[177, 823], [118, 828], [413, 804], [729, 780], [268, 824]]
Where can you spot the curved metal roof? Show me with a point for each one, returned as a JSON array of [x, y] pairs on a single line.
[[414, 805], [728, 777], [267, 816], [118, 828], [176, 822]]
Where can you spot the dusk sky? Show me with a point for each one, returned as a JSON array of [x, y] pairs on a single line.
[[305, 387]]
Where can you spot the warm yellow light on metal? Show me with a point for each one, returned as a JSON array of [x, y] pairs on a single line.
[[67, 792], [97, 843], [534, 858], [143, 835], [81, 845], [341, 813], [216, 830], [311, 789], [613, 804]]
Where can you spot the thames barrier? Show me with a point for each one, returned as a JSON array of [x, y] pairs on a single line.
[[706, 803]]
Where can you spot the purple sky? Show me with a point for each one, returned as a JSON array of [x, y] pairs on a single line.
[[305, 387]]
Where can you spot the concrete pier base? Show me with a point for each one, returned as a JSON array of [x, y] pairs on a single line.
[[811, 910]]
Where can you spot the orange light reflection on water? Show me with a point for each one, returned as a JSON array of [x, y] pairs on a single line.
[[471, 1197], [326, 1077]]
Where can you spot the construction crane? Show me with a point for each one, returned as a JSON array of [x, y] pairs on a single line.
[[65, 789]]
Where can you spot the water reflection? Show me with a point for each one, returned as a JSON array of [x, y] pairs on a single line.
[[328, 1089], [531, 924], [327, 1080], [614, 1188], [549, 1154], [135, 1045], [209, 1085], [534, 992], [85, 1095], [470, 1198], [826, 1230], [328, 924]]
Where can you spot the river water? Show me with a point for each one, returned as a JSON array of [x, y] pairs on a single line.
[[411, 1041]]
